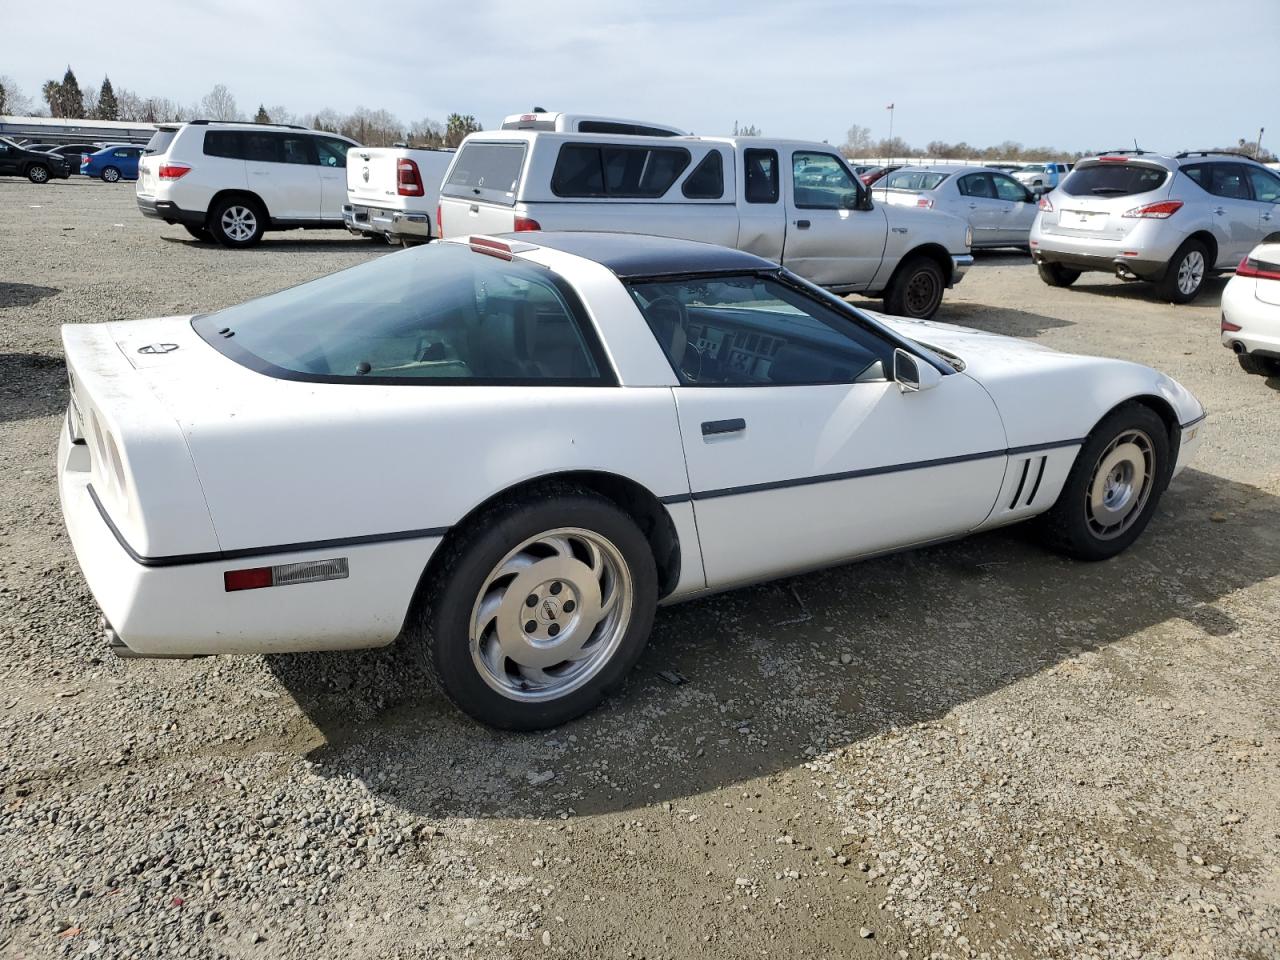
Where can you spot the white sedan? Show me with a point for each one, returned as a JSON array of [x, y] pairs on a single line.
[[512, 450], [998, 208], [1251, 311]]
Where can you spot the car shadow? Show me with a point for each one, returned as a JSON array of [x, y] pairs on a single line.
[[1002, 320], [278, 241], [1099, 284], [24, 294], [32, 385], [749, 683]]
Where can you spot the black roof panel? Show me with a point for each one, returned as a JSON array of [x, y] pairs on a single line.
[[640, 255]]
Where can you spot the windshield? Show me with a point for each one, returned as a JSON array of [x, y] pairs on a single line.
[[913, 180], [1111, 179], [441, 314]]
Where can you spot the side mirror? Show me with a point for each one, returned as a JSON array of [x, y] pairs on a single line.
[[912, 374]]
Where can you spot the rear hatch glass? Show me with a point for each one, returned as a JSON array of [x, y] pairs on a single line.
[[487, 171], [1106, 179], [160, 140]]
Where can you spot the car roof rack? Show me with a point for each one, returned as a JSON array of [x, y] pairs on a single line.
[[1212, 153], [247, 123]]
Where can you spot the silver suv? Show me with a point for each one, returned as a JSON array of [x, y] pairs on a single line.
[[1171, 220]]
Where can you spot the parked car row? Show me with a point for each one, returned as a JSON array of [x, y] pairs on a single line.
[[41, 162]]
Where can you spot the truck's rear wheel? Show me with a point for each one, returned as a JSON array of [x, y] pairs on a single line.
[[916, 289]]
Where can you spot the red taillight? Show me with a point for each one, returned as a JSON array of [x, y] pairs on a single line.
[[252, 579], [439, 222], [173, 171], [524, 223], [408, 180], [1261, 269], [1045, 204], [1154, 211], [1228, 326], [923, 202]]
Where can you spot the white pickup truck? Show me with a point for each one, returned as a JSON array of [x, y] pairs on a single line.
[[392, 192], [793, 202]]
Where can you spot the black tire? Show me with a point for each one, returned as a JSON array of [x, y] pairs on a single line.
[[38, 173], [1171, 286], [1071, 526], [200, 233], [441, 624], [110, 175], [916, 289], [1056, 275], [1259, 366], [229, 211]]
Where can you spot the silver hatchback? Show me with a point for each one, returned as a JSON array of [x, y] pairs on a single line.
[[1170, 220]]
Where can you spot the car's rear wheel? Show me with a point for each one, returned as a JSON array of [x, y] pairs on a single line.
[[200, 233], [1259, 366], [1113, 487], [916, 289], [1056, 275], [1185, 274], [237, 222], [38, 173], [110, 174], [539, 609]]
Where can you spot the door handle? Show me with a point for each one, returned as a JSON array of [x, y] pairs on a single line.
[[802, 224], [1219, 211], [711, 428], [973, 206]]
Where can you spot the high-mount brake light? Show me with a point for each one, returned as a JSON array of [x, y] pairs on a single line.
[[1113, 159], [1261, 269], [408, 179], [526, 223], [1154, 211], [1045, 204], [491, 247], [285, 574], [172, 171]]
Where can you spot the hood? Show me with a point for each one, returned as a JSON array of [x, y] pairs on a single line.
[[976, 348]]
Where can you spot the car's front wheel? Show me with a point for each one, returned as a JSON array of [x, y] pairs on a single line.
[[237, 222], [1113, 487], [916, 289], [539, 609], [1185, 274], [38, 173], [1056, 275]]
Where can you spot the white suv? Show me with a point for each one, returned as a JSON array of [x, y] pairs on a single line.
[[231, 182]]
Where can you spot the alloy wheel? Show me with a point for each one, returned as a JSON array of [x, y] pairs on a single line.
[[1191, 273], [239, 222], [1121, 484], [551, 614], [38, 174], [111, 174]]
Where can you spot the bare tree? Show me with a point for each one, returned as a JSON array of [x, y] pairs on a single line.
[[219, 104], [14, 102], [857, 142], [746, 130]]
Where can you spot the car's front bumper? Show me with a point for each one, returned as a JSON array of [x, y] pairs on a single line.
[[960, 264], [184, 610], [361, 218], [169, 212]]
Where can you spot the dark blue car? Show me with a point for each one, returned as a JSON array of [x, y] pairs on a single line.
[[112, 163]]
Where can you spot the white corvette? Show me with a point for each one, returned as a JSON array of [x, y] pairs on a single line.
[[513, 450]]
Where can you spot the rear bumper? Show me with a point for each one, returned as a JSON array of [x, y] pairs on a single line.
[[1259, 321], [396, 223], [170, 212], [1127, 268], [1143, 253], [183, 610]]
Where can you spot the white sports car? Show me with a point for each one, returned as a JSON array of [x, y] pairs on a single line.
[[514, 449]]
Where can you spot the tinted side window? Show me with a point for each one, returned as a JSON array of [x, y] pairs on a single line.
[[490, 171], [761, 175], [756, 331], [707, 180], [1228, 180], [1266, 186], [617, 171], [1196, 172], [262, 147], [977, 185], [223, 143], [821, 182], [295, 148], [1009, 189], [331, 152]]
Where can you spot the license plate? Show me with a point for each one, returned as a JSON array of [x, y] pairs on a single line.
[[1082, 218]]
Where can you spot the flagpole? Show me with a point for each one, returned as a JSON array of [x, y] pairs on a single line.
[[891, 106]]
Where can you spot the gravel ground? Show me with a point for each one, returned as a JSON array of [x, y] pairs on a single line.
[[976, 750]]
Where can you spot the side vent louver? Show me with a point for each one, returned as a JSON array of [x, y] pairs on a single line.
[[1017, 500]]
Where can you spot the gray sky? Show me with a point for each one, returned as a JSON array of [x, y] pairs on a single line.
[[1075, 74]]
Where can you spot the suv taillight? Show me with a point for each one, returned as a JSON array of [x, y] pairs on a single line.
[[173, 171], [439, 222], [1045, 204], [408, 180], [1261, 269], [524, 223], [1154, 211]]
